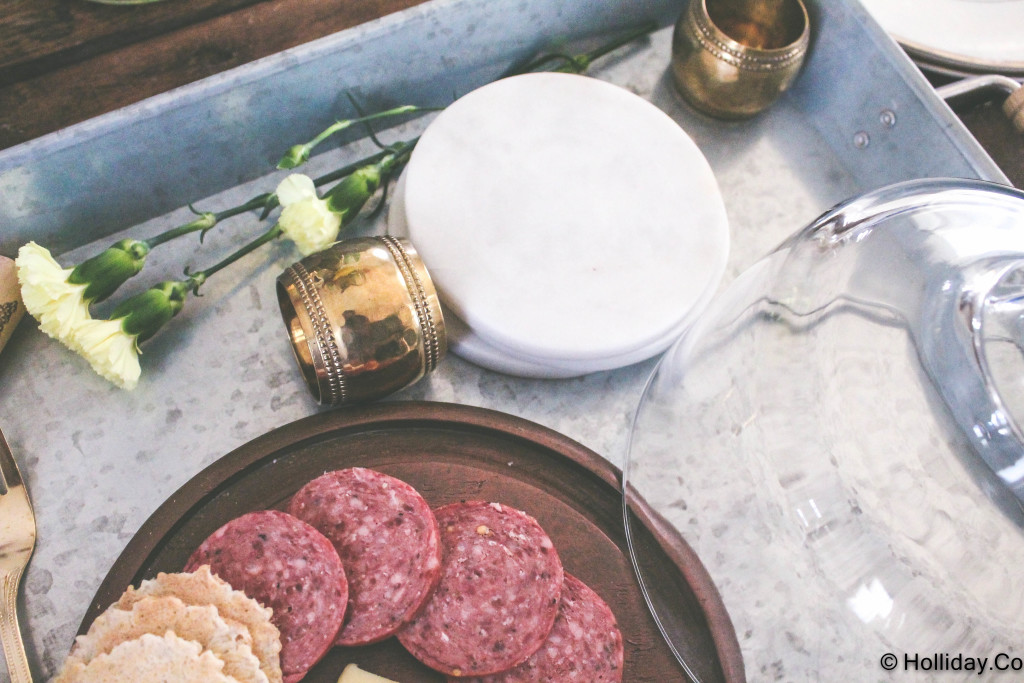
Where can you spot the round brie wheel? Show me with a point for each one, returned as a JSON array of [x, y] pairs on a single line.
[[565, 220]]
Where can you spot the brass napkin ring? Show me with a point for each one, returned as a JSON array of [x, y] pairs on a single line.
[[731, 59], [363, 319]]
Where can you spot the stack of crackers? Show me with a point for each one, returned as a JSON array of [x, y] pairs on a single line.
[[188, 627]]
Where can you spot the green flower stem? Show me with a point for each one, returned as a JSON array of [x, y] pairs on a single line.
[[585, 60], [351, 168], [144, 314], [254, 203], [196, 280], [349, 196], [271, 201], [394, 163], [268, 201], [299, 154], [205, 221], [397, 156], [578, 64], [105, 273]]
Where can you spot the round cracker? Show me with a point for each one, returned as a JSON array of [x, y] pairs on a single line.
[[229, 640], [202, 587], [149, 659]]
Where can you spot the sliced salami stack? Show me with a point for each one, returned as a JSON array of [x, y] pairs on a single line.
[[474, 590], [387, 538], [501, 580], [287, 565]]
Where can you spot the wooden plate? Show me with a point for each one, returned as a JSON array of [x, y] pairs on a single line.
[[450, 453]]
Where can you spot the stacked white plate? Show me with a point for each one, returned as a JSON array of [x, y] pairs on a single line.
[[569, 225], [957, 37]]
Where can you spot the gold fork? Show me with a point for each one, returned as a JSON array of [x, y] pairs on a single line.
[[17, 540]]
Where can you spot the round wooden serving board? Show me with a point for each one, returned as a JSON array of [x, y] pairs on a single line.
[[451, 453]]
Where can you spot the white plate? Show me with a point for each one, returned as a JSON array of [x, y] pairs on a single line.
[[565, 220], [972, 35]]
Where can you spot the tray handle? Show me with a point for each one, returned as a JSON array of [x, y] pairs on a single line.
[[982, 88]]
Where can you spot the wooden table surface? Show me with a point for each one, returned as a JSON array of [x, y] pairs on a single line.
[[65, 61]]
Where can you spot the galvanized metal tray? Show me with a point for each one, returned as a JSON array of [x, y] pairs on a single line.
[[142, 161], [98, 460]]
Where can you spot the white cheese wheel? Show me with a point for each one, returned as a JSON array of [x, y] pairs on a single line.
[[567, 222]]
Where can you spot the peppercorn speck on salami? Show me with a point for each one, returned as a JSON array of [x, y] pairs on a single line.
[[287, 565], [584, 646], [388, 541], [496, 602]]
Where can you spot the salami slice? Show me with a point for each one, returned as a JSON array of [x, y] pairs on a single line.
[[289, 566], [584, 646], [501, 580], [388, 541]]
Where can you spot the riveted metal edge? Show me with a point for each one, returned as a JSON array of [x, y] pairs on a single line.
[[325, 338], [431, 345]]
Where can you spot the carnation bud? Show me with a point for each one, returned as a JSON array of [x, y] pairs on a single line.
[[144, 314], [110, 269], [294, 157], [349, 196]]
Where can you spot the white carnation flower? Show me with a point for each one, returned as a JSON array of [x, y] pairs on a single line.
[[59, 306], [305, 218], [294, 188], [111, 351], [63, 313]]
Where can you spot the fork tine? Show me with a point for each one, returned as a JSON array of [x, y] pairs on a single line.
[[10, 476], [16, 546]]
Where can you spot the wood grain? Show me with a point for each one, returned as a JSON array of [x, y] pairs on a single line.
[[65, 61], [38, 36]]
